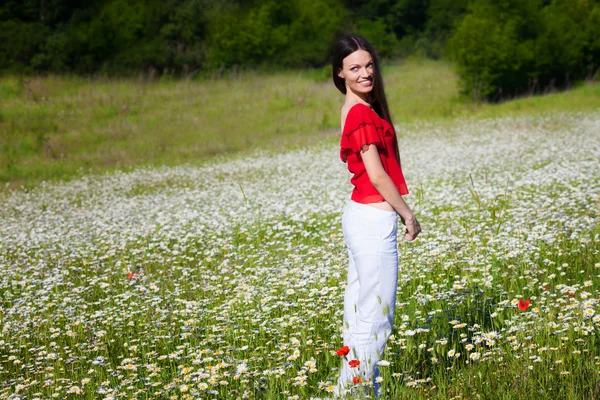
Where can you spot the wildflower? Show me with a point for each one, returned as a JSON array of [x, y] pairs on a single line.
[[588, 312], [356, 380], [343, 351], [523, 304], [75, 390], [131, 275], [241, 368], [353, 363]]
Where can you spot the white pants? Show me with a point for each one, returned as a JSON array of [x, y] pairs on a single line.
[[370, 296]]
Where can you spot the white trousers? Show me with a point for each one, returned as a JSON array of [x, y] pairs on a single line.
[[370, 296]]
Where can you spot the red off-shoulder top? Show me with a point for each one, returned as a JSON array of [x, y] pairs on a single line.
[[364, 126]]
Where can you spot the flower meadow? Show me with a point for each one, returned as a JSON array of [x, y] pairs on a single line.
[[226, 280]]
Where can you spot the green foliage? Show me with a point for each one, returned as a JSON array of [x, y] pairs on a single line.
[[20, 43], [293, 33], [184, 34], [195, 36], [502, 48], [384, 41], [505, 48], [442, 17]]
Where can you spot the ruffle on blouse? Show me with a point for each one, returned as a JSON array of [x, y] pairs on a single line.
[[362, 127]]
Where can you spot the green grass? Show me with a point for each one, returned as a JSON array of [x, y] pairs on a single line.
[[60, 127], [171, 284]]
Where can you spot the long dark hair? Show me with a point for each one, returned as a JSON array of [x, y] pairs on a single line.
[[347, 45]]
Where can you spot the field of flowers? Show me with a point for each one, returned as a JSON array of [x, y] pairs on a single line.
[[226, 280]]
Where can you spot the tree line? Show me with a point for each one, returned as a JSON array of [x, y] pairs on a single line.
[[501, 47]]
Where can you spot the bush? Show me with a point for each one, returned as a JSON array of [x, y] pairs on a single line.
[[295, 33], [20, 42], [506, 48]]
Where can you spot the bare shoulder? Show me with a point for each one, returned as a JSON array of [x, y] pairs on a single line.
[[344, 113], [345, 109]]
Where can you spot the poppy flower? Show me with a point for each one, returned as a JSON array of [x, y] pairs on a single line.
[[523, 304], [356, 380], [130, 275], [353, 363], [343, 351]]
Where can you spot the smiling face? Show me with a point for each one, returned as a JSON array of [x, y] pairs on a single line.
[[358, 70]]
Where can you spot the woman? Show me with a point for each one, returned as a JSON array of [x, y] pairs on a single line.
[[370, 148]]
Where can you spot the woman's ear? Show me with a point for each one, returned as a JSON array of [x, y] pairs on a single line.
[[340, 73]]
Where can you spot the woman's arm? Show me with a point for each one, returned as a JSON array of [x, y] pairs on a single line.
[[385, 186]]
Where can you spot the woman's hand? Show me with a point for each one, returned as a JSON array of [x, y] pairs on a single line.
[[386, 187], [412, 228]]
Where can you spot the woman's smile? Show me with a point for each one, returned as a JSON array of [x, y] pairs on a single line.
[[357, 70]]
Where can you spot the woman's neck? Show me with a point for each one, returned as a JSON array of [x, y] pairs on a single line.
[[353, 98]]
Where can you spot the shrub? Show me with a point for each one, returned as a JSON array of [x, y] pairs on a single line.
[[506, 48]]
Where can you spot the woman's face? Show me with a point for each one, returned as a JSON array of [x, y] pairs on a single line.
[[358, 71]]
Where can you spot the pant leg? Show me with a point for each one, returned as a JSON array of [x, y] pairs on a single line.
[[376, 259], [371, 238], [350, 303], [350, 298]]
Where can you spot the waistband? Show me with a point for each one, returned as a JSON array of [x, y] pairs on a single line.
[[368, 210]]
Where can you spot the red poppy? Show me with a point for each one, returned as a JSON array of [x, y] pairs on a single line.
[[353, 363], [343, 351], [523, 304], [356, 380], [130, 275]]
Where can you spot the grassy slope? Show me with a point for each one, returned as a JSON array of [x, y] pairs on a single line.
[[60, 127]]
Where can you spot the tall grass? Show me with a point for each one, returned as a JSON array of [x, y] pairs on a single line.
[[226, 281], [59, 127]]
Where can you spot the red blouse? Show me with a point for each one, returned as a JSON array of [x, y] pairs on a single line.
[[363, 126]]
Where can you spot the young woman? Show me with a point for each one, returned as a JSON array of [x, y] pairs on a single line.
[[370, 148]]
